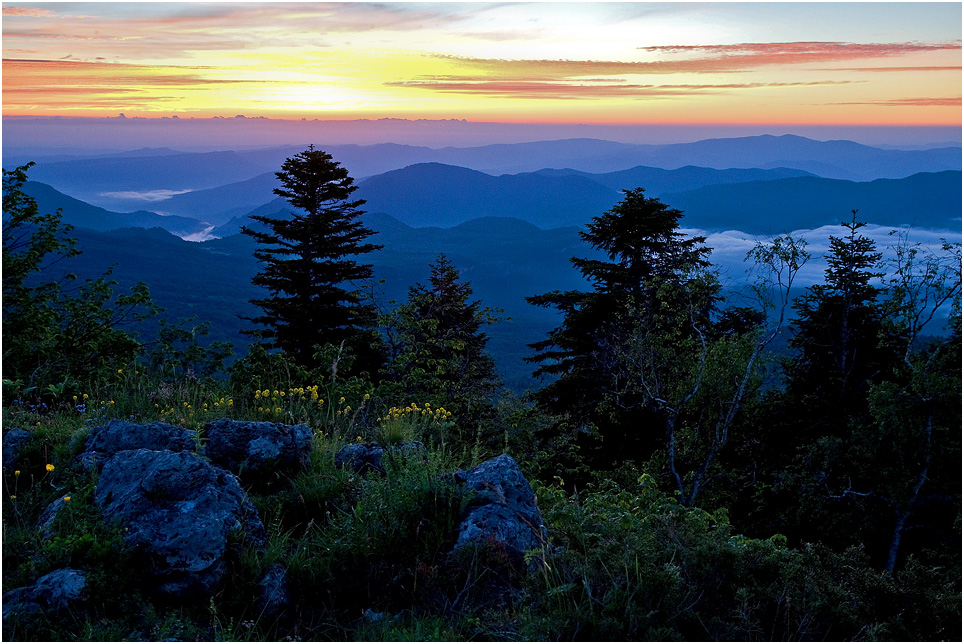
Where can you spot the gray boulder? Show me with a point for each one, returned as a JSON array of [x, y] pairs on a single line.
[[361, 457], [13, 442], [504, 509], [46, 522], [250, 449], [181, 513], [367, 457], [274, 597], [55, 591], [119, 435]]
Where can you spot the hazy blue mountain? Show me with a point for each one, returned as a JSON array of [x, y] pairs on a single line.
[[434, 194], [93, 180], [277, 208], [157, 169], [439, 195], [832, 159], [658, 181], [17, 156], [926, 200], [84, 215], [218, 205]]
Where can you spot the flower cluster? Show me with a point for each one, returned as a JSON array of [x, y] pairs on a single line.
[[270, 401], [414, 412], [186, 412]]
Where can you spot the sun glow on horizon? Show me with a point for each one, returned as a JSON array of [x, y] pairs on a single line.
[[568, 63]]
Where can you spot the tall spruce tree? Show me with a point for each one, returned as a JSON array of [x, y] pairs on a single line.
[[309, 266], [644, 253], [839, 330], [831, 447], [440, 348]]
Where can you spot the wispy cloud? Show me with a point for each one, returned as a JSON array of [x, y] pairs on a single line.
[[595, 89], [741, 56], [28, 12], [921, 101], [921, 68]]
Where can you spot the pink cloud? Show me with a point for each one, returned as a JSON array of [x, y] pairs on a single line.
[[542, 89], [28, 12], [740, 56]]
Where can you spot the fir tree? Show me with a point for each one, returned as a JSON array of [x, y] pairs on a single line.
[[440, 347], [309, 266], [646, 259], [838, 330]]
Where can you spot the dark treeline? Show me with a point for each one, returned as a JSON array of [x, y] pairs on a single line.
[[695, 483]]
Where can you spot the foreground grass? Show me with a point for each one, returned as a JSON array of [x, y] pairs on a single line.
[[367, 557]]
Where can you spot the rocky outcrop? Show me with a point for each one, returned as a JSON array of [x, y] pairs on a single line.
[[119, 435], [504, 509], [13, 442], [55, 591], [179, 512], [254, 449]]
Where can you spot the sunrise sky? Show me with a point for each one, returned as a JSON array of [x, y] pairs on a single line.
[[808, 63]]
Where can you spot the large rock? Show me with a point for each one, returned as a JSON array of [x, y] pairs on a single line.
[[13, 442], [49, 516], [55, 591], [274, 598], [119, 435], [367, 457], [251, 449], [504, 509], [180, 512]]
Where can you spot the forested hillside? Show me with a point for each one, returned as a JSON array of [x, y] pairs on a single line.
[[774, 458]]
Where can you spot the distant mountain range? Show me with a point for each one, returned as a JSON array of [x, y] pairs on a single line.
[[104, 180], [925, 200], [434, 194], [83, 215]]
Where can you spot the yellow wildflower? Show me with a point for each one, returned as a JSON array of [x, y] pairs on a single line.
[[50, 468], [16, 473], [66, 498]]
